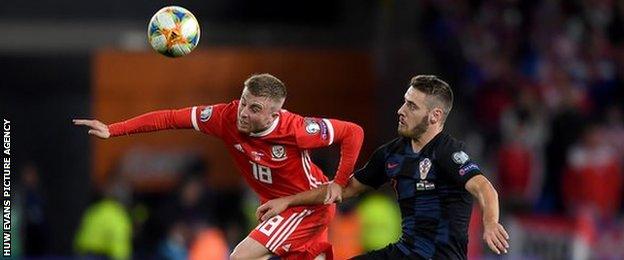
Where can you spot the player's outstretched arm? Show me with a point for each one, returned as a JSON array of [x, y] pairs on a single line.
[[149, 122], [494, 234], [311, 197], [97, 128]]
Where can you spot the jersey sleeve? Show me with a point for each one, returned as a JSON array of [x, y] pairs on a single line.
[[312, 132], [153, 121], [373, 173], [210, 119], [455, 162], [315, 132]]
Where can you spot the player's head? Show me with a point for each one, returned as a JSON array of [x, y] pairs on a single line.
[[260, 103], [428, 102]]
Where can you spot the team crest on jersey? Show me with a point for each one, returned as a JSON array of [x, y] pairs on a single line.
[[312, 126], [423, 184], [205, 114], [424, 167], [460, 157], [278, 153]]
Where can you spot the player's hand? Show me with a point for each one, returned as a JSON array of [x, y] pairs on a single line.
[[98, 128], [271, 209], [496, 237], [334, 193]]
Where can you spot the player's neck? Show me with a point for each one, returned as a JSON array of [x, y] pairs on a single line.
[[266, 130], [425, 138]]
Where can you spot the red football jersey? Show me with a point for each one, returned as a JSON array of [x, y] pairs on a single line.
[[275, 162]]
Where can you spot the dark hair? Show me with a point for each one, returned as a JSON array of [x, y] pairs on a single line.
[[266, 85], [437, 88]]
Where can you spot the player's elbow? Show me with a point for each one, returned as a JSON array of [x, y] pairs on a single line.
[[487, 190], [357, 131]]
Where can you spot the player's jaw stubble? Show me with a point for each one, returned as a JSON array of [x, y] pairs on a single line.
[[416, 132]]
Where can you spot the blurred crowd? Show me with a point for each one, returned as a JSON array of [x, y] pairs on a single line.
[[542, 88]]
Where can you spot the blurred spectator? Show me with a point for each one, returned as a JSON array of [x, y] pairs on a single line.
[[593, 178], [31, 195], [106, 227], [565, 129], [520, 157], [344, 234], [182, 218], [174, 246], [380, 220], [209, 243], [614, 131]]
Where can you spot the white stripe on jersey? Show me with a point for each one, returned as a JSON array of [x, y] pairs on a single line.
[[307, 172], [331, 131], [305, 161], [194, 118], [308, 162], [289, 230], [283, 225]]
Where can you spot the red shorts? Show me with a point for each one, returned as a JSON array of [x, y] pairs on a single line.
[[297, 232]]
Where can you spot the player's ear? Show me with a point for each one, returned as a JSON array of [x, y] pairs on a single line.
[[435, 115]]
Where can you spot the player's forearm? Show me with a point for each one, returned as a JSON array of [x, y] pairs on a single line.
[[350, 136], [488, 201], [311, 197], [153, 121]]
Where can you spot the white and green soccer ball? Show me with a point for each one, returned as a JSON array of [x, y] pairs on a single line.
[[173, 31]]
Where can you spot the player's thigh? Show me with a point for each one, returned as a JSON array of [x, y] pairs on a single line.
[[249, 248], [296, 230]]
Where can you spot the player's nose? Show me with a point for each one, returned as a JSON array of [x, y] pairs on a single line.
[[400, 110], [243, 113]]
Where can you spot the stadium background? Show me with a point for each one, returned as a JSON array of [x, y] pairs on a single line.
[[538, 88]]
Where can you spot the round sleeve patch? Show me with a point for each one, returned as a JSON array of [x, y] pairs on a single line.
[[460, 157], [205, 114], [312, 127]]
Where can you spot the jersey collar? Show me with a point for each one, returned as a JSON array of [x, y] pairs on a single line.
[[268, 130]]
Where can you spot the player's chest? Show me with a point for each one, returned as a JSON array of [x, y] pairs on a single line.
[[262, 152], [412, 174]]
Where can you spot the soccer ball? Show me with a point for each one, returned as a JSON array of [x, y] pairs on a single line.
[[173, 31]]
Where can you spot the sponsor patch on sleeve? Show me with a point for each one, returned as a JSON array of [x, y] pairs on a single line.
[[468, 168]]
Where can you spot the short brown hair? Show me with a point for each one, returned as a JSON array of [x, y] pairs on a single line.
[[266, 85], [437, 88]]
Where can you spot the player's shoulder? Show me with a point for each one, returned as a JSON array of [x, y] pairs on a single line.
[[293, 122], [396, 145], [207, 114], [289, 121], [232, 105], [446, 145], [447, 141]]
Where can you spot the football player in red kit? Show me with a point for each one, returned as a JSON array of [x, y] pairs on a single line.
[[270, 147]]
